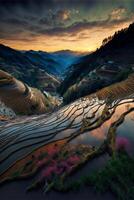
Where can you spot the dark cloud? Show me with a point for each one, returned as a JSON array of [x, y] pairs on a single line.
[[46, 27], [49, 1], [16, 22], [61, 15], [24, 20], [82, 25], [45, 21], [25, 2], [55, 18]]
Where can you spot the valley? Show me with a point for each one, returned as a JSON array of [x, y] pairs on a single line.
[[105, 66], [66, 120]]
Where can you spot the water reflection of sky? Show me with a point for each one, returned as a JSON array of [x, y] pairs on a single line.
[[97, 136], [88, 139], [126, 130]]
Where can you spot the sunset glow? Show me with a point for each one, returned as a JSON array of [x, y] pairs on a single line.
[[56, 25]]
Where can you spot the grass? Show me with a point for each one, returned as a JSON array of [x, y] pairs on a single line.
[[117, 176]]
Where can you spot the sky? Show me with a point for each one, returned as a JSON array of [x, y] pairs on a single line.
[[53, 25]]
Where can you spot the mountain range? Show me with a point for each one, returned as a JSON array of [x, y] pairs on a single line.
[[111, 63], [72, 74], [37, 68]]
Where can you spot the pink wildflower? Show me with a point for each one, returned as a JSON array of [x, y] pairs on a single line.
[[122, 143], [48, 172], [53, 162], [64, 164], [53, 150], [73, 160], [58, 171], [41, 162]]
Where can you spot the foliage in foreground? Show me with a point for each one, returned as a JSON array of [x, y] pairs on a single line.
[[117, 176]]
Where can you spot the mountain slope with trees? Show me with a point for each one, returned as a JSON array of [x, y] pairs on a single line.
[[111, 63], [37, 68]]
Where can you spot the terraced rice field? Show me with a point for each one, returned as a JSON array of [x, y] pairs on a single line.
[[21, 98], [57, 144]]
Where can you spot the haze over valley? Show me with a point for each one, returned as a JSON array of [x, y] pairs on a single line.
[[66, 99]]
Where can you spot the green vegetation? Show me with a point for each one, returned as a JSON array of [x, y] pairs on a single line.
[[109, 64], [117, 176], [82, 88]]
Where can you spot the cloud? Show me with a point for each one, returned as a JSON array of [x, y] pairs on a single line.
[[55, 18], [80, 26], [117, 13], [63, 15], [15, 22], [52, 25], [45, 21], [62, 20]]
